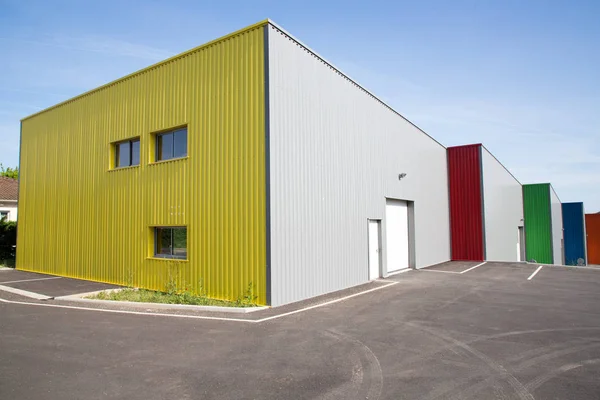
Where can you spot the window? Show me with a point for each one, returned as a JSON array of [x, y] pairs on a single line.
[[127, 153], [170, 242], [3, 215], [171, 144]]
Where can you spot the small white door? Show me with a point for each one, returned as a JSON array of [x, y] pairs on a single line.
[[521, 243], [396, 214], [374, 250]]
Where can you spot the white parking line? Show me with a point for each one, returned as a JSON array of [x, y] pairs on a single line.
[[535, 272], [477, 266], [452, 272], [24, 293], [326, 303], [256, 321], [437, 270], [31, 280]]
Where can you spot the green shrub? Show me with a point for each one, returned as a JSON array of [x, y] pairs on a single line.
[[8, 241]]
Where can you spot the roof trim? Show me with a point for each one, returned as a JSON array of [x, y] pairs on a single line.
[[556, 194], [212, 42], [465, 145], [545, 183], [314, 53], [503, 166], [168, 60], [490, 153]]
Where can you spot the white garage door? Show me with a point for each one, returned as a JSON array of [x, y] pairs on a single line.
[[396, 214]]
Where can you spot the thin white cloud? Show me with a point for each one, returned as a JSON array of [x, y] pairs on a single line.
[[100, 44], [27, 91], [111, 46]]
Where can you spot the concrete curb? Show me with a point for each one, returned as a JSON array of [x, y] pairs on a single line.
[[157, 306], [86, 294], [25, 293]]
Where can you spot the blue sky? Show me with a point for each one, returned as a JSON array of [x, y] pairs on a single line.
[[521, 77]]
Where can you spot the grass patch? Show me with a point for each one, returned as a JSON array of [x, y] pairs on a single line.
[[152, 296]]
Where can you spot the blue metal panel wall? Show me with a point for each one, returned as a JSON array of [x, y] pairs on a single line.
[[574, 232]]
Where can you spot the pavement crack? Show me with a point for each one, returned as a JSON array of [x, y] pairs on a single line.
[[519, 388], [366, 370]]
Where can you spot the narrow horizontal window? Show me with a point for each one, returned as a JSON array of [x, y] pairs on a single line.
[[127, 153], [171, 144], [170, 242]]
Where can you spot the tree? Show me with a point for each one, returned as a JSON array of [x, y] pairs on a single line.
[[9, 172]]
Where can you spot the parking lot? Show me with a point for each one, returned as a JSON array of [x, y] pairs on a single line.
[[452, 331]]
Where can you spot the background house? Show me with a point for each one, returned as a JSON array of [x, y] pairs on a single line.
[[9, 196]]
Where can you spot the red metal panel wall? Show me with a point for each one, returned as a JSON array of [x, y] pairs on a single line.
[[466, 203]]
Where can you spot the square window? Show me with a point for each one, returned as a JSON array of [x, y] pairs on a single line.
[[127, 153], [171, 145], [170, 242]]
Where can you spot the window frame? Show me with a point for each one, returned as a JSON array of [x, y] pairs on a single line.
[[116, 152], [156, 245], [158, 138]]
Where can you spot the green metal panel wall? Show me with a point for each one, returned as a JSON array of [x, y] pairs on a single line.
[[79, 218], [538, 222]]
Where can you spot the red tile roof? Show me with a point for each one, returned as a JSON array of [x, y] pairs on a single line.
[[9, 188]]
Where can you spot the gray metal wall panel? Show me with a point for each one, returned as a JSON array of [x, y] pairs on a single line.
[[557, 227], [336, 153], [503, 210]]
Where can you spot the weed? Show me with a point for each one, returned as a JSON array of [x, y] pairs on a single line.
[[152, 296], [249, 298]]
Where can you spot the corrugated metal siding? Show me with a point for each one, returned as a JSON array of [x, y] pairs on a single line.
[[538, 230], [557, 228], [592, 227], [574, 232], [82, 220], [466, 203], [336, 153], [503, 210]]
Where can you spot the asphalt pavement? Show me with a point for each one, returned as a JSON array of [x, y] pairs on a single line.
[[489, 333]]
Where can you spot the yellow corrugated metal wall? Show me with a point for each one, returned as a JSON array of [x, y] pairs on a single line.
[[80, 219]]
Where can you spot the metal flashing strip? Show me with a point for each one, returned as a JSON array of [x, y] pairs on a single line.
[[267, 167], [482, 194]]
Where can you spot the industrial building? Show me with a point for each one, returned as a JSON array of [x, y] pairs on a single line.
[[248, 162], [543, 224], [251, 163], [486, 207], [573, 215]]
